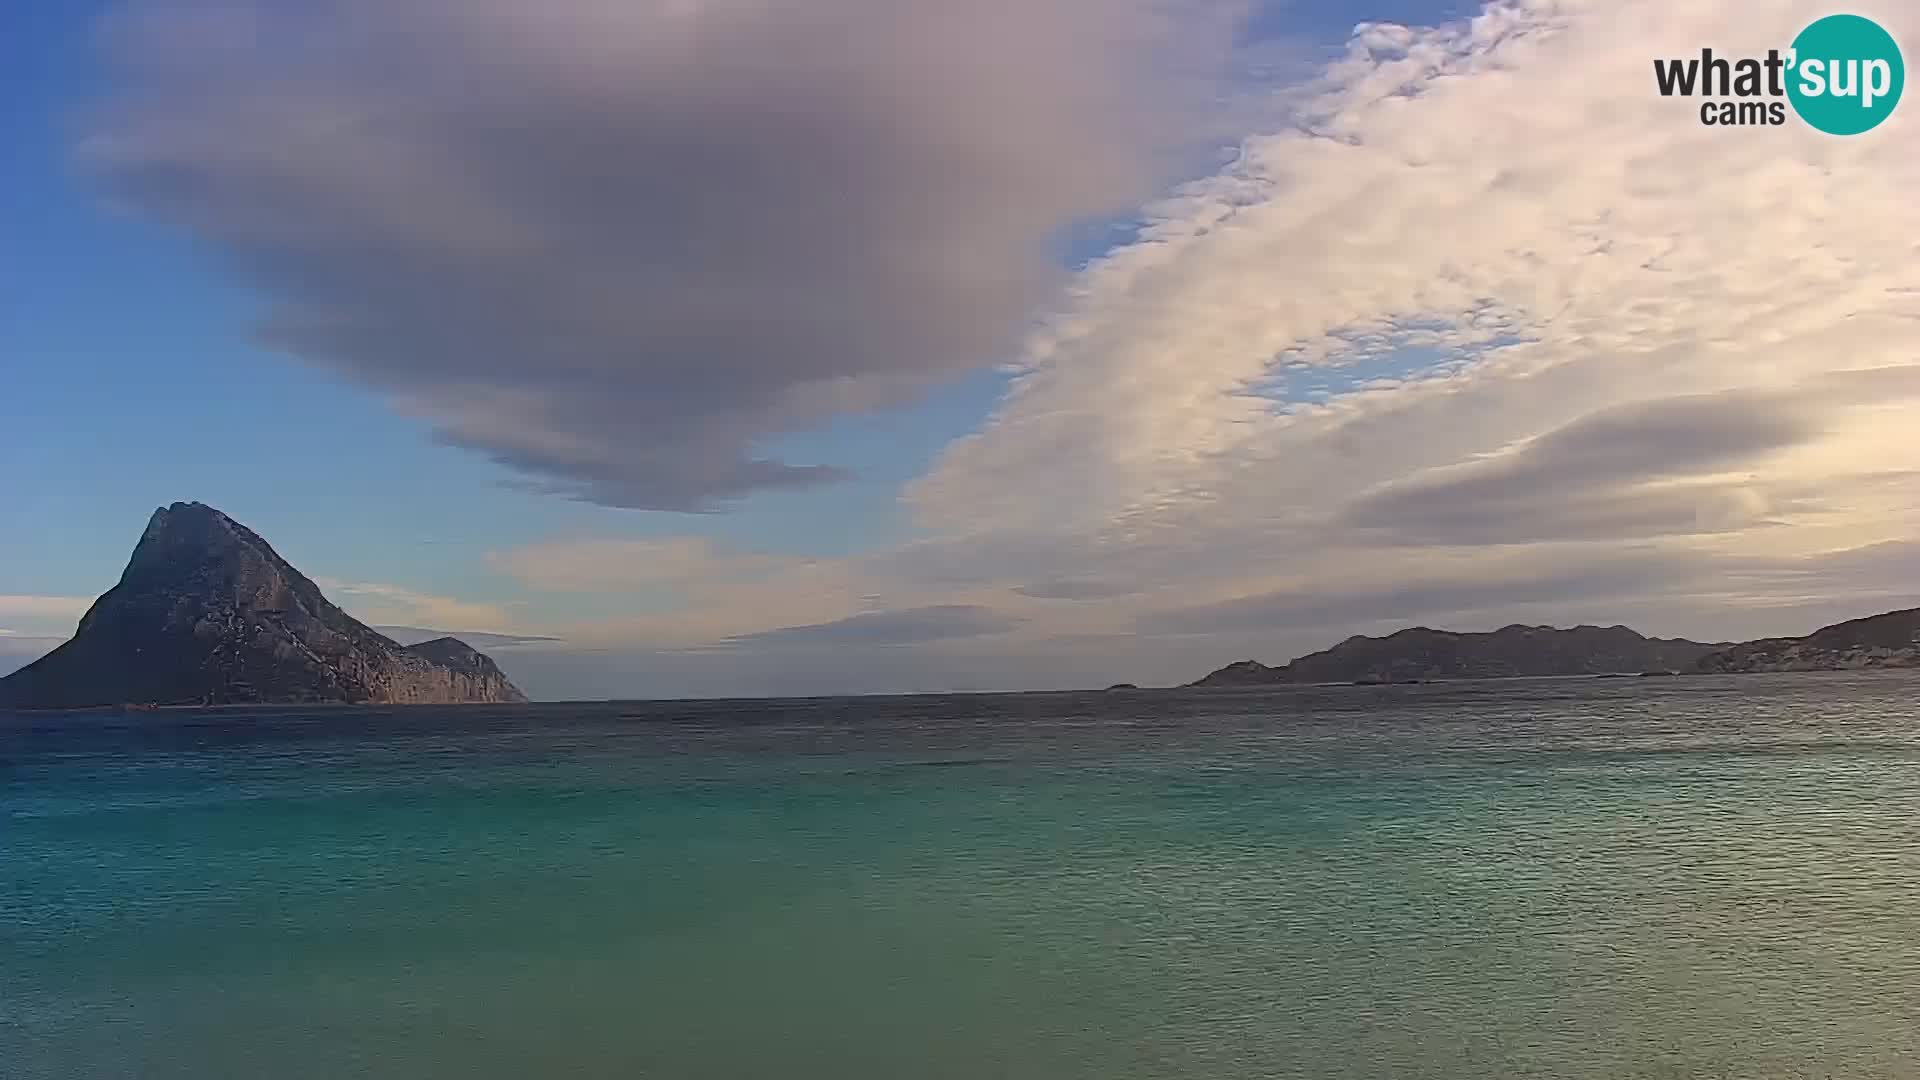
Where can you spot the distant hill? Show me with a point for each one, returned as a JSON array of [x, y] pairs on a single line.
[[1891, 640], [207, 613], [1420, 653]]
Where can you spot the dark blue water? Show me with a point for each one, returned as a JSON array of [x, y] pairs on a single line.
[[1711, 877]]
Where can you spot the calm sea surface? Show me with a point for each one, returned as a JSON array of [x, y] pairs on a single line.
[[1705, 877]]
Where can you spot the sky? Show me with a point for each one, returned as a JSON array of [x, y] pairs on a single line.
[[737, 347]]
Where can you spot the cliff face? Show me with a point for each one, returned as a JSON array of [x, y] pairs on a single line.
[[1889, 640], [462, 672], [1421, 653], [207, 613]]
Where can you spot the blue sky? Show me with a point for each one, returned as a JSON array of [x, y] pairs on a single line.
[[865, 308]]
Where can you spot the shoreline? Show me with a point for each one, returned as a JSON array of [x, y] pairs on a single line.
[[1082, 691]]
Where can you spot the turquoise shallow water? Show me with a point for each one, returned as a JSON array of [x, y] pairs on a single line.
[[1711, 878]]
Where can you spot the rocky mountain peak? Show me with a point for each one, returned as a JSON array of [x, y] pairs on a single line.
[[191, 549], [207, 612]]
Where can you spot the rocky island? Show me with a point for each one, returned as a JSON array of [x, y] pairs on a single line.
[[1419, 653], [207, 613]]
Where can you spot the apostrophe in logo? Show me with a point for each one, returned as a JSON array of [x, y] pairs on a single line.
[[1847, 74], [1843, 75]]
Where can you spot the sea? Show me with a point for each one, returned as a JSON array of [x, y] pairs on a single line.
[[1702, 877]]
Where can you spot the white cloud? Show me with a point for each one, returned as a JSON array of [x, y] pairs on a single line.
[[686, 591], [380, 603]]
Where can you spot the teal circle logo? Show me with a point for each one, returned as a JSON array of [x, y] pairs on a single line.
[[1845, 74]]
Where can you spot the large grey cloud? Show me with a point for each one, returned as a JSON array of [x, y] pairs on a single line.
[[616, 246]]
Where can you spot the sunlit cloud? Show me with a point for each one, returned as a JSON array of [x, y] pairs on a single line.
[[380, 603]]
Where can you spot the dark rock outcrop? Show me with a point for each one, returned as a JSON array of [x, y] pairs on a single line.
[[1419, 654], [207, 613], [1891, 640]]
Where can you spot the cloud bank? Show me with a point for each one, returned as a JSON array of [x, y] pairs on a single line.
[[1604, 324]]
